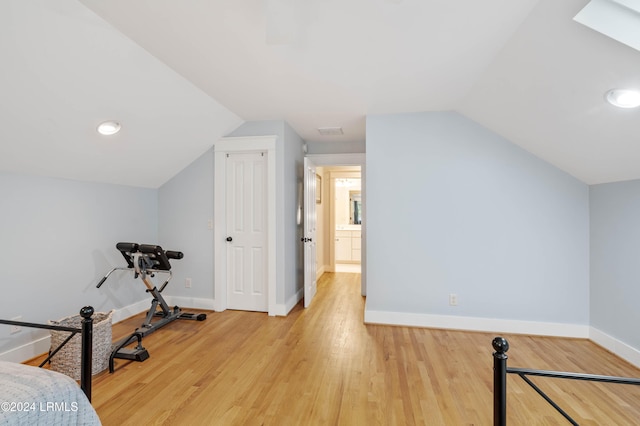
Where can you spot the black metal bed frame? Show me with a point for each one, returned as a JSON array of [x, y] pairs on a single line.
[[86, 330], [500, 371]]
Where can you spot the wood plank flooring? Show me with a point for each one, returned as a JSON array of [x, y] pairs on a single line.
[[323, 366]]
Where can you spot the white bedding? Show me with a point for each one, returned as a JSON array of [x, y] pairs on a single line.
[[36, 396]]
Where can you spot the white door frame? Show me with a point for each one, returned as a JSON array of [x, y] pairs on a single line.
[[351, 160], [221, 149]]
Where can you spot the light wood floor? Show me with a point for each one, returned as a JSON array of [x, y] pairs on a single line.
[[323, 366]]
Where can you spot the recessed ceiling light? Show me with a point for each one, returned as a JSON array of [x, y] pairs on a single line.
[[624, 98], [108, 128]]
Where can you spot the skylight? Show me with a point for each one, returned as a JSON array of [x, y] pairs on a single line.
[[617, 19]]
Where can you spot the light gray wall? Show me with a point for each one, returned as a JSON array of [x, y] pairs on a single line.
[[615, 260], [455, 208], [346, 147], [185, 207], [186, 204], [293, 181], [58, 240], [464, 211]]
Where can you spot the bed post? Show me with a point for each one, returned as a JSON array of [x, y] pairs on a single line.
[[87, 350], [501, 347]]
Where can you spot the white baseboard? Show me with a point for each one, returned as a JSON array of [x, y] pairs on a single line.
[[41, 345], [131, 310], [476, 324], [191, 302], [27, 351], [293, 301], [283, 310], [621, 349], [630, 354], [321, 270], [279, 311], [615, 346]]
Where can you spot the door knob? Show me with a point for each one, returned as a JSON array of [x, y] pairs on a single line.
[[229, 239]]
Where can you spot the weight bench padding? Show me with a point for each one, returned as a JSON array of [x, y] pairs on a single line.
[[156, 255], [174, 254], [127, 250]]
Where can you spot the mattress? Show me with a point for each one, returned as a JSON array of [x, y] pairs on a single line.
[[36, 396]]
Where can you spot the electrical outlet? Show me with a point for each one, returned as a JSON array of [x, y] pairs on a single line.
[[210, 224], [187, 282], [453, 299], [16, 328]]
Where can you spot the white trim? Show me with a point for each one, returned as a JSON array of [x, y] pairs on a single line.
[[630, 354], [42, 345], [221, 148], [283, 310], [131, 310], [27, 351], [476, 324], [321, 270], [187, 303], [616, 346]]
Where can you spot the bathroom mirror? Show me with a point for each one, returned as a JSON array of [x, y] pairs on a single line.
[[355, 208], [347, 206]]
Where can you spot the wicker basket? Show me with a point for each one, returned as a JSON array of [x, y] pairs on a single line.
[[67, 360]]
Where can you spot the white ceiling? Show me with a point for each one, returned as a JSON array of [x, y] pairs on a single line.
[[181, 73], [545, 92], [64, 70]]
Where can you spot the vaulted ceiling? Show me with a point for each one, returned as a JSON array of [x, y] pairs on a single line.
[[178, 74]]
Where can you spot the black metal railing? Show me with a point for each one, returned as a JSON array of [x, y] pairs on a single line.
[[500, 371], [86, 331]]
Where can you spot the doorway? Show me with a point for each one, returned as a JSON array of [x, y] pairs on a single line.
[[356, 164], [226, 266], [344, 213], [246, 234]]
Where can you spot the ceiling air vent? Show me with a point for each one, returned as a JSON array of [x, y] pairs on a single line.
[[330, 131]]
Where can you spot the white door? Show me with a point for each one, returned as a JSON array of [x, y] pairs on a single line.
[[309, 238], [246, 211]]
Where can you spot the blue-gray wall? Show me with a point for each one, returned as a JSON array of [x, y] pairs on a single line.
[[455, 208], [339, 147], [615, 260], [293, 181], [59, 236], [451, 208], [185, 207], [58, 239]]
